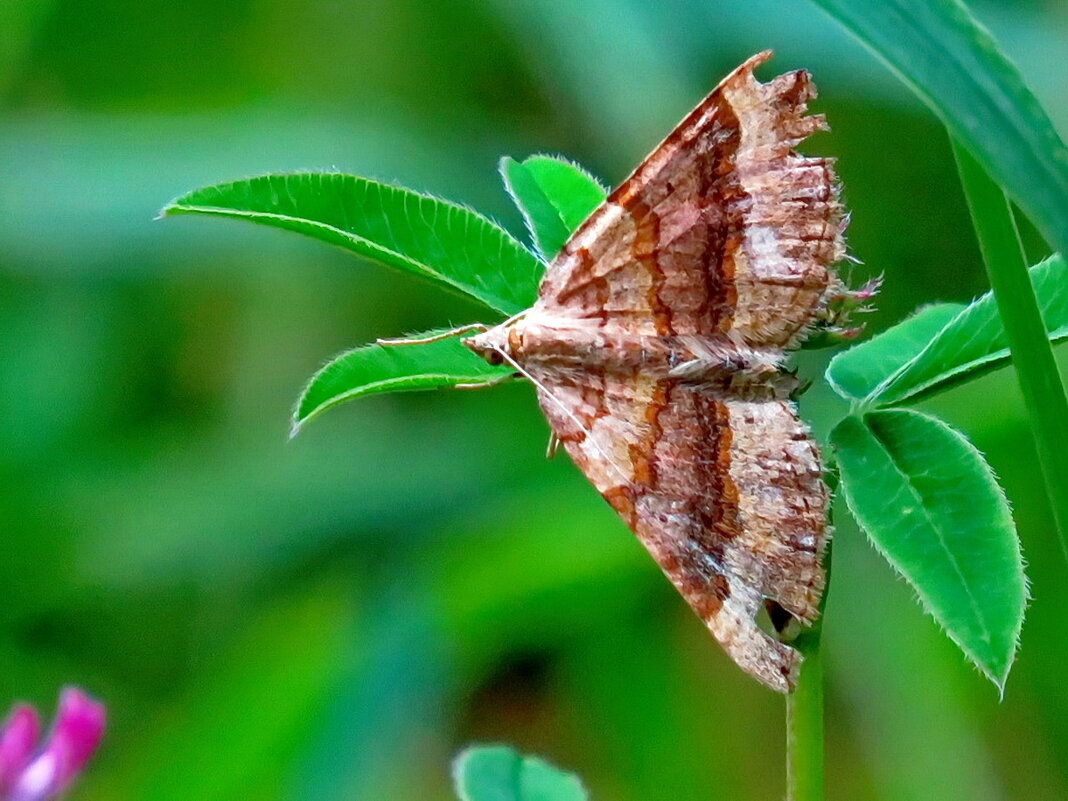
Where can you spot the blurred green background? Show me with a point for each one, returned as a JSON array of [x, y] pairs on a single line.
[[333, 617]]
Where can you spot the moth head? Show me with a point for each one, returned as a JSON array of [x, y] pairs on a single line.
[[491, 345]]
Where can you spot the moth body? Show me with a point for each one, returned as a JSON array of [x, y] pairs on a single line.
[[718, 363]]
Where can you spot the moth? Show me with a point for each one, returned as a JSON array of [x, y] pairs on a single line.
[[657, 347]]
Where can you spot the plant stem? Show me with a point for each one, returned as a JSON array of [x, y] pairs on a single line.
[[804, 706], [1032, 354], [804, 723]]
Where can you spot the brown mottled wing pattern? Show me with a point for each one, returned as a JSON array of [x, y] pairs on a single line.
[[723, 237], [722, 229], [726, 495]]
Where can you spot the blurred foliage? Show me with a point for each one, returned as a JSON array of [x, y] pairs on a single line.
[[498, 773], [333, 617]]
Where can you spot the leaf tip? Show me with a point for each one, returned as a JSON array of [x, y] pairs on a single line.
[[506, 166], [1000, 677], [296, 425], [167, 211], [301, 411], [462, 762]]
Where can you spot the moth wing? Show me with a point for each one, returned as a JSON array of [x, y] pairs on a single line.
[[726, 495], [722, 228]]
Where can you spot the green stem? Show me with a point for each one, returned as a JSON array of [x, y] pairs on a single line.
[[804, 706], [1032, 354], [804, 725]]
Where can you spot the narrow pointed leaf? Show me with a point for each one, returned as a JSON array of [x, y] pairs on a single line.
[[554, 195], [858, 372], [547, 227], [952, 62], [441, 241], [498, 773], [377, 369], [917, 356], [975, 339], [931, 505]]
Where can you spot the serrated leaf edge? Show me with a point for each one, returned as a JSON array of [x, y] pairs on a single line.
[[177, 206]]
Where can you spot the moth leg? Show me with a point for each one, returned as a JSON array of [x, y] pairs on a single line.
[[455, 332], [492, 382], [553, 446]]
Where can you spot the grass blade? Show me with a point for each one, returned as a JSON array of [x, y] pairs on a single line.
[[1025, 333], [940, 50]]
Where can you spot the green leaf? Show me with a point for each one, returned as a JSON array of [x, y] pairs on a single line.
[[943, 345], [857, 373], [554, 195], [498, 773], [377, 369], [431, 238], [931, 505], [940, 50]]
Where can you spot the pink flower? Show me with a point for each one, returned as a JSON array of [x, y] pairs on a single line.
[[27, 774]]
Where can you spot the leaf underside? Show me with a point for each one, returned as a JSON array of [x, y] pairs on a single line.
[[377, 369], [554, 196], [931, 505]]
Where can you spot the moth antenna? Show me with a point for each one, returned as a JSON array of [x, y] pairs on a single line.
[[571, 416], [492, 382]]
